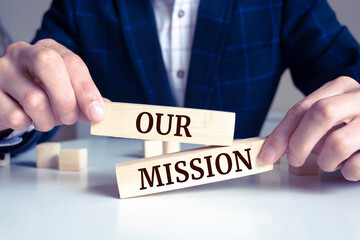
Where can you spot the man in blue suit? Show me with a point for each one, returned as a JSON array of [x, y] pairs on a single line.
[[239, 50]]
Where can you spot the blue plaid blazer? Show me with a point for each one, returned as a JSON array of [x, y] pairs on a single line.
[[240, 50]]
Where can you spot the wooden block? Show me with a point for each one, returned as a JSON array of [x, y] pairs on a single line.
[[73, 159], [47, 155], [310, 167], [173, 124], [190, 168], [171, 147], [6, 161], [152, 148]]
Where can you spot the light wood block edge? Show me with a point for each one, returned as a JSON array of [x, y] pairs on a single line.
[[47, 155], [152, 148], [6, 161], [73, 159], [129, 174], [171, 147]]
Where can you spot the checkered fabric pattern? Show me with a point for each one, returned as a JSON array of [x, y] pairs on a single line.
[[240, 50], [175, 21]]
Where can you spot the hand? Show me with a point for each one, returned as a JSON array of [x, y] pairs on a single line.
[[45, 84], [326, 123]]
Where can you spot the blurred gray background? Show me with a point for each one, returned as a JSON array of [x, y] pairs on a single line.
[[21, 18]]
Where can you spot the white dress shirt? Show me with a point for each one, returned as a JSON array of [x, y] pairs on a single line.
[[175, 21]]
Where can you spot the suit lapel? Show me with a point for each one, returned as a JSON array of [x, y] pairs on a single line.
[[211, 30], [139, 27]]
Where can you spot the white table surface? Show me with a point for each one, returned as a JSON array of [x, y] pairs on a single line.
[[51, 204]]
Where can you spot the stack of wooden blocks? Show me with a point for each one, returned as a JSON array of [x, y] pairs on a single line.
[[164, 167]]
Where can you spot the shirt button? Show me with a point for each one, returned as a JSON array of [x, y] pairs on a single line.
[[181, 13], [180, 74]]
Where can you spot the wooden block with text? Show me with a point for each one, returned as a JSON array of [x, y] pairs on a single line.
[[73, 159], [171, 147], [150, 122], [190, 168], [47, 155], [5, 161], [310, 167], [152, 148]]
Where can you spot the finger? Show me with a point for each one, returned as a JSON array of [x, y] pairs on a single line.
[[319, 145], [318, 120], [47, 69], [339, 146], [14, 59], [3, 127], [106, 100], [277, 143], [340, 85], [33, 100], [88, 96], [351, 168], [82, 116], [12, 115], [11, 54]]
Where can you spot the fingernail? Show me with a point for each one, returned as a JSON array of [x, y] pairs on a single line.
[[96, 111], [70, 118], [268, 154], [293, 161]]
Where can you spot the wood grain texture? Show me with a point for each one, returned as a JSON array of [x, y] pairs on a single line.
[[73, 159], [47, 155], [152, 148], [190, 168], [171, 147], [6, 161], [204, 126]]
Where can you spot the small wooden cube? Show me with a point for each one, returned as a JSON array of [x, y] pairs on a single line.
[[152, 148], [171, 147], [47, 155], [73, 159], [310, 167], [6, 161]]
